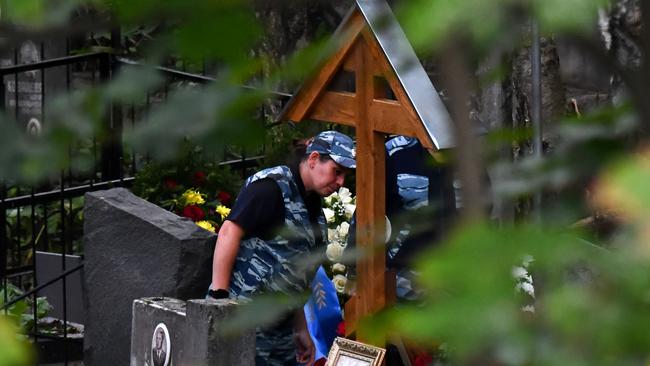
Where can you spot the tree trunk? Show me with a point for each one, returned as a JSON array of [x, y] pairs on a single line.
[[291, 25], [622, 36]]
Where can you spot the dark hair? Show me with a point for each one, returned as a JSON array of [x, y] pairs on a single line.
[[300, 148], [300, 152]]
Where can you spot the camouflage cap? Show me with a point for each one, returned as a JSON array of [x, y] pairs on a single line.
[[338, 146]]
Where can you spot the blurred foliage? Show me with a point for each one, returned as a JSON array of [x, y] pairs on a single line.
[[14, 348], [38, 13], [215, 116], [429, 23], [589, 308]]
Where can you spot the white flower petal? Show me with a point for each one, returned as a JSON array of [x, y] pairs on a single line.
[[332, 235], [343, 230], [339, 283], [349, 211], [329, 214], [344, 192], [519, 272], [338, 268], [334, 252]]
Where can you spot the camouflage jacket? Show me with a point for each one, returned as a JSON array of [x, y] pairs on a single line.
[[412, 189], [274, 265]]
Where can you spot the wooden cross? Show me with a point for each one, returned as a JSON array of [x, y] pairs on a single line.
[[389, 93]]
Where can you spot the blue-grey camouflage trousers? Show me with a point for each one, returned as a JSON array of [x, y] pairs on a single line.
[[275, 347]]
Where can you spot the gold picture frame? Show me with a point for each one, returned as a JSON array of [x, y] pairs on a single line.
[[345, 352]]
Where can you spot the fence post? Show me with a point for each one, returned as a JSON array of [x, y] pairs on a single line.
[[111, 137], [4, 243], [3, 213]]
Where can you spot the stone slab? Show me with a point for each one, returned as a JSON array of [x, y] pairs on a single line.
[[206, 345], [149, 315], [135, 249]]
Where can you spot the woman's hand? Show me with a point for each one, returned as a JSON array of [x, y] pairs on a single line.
[[305, 349]]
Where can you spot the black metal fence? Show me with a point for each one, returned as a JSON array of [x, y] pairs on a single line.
[[49, 217]]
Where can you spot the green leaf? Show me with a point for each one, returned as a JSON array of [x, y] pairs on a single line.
[[576, 16], [14, 348], [132, 83], [24, 11], [43, 307], [17, 310]]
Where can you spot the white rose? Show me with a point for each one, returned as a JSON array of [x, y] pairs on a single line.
[[521, 274], [338, 268], [328, 200], [329, 214], [343, 229], [331, 198], [334, 252], [345, 195], [339, 283], [332, 235], [349, 211], [526, 287], [528, 259]]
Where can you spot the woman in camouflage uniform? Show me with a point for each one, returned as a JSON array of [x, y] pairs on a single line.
[[276, 221]]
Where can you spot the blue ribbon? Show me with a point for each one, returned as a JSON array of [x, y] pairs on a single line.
[[323, 313]]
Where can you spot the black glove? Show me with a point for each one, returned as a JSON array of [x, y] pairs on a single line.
[[218, 294]]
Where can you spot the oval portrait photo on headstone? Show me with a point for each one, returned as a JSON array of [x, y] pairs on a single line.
[[160, 346]]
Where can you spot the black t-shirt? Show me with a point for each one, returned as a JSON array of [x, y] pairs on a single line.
[[259, 208]]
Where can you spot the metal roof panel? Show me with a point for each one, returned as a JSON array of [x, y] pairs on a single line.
[[409, 71]]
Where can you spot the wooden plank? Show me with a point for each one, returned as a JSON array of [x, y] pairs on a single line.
[[301, 103], [350, 64], [339, 107], [380, 60], [390, 116], [371, 278], [351, 306], [351, 319]]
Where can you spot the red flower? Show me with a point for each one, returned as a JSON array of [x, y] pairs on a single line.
[[170, 184], [224, 198], [340, 329], [320, 361], [193, 212], [198, 179], [422, 359]]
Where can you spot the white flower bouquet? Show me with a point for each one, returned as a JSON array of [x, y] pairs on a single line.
[[338, 210]]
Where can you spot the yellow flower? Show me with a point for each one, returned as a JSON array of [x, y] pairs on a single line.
[[223, 211], [193, 197], [206, 225]]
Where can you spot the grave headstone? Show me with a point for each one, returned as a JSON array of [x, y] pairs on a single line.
[[49, 267], [135, 249], [158, 332], [167, 332], [207, 345], [28, 92]]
